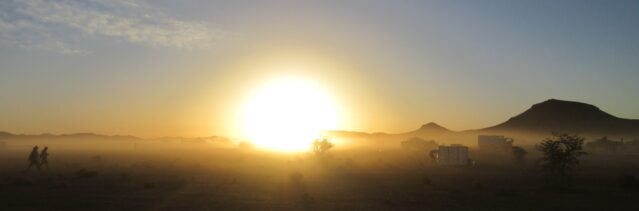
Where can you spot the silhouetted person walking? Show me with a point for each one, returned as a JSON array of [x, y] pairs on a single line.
[[34, 158], [44, 157]]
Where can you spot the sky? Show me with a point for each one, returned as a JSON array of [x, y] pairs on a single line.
[[184, 68]]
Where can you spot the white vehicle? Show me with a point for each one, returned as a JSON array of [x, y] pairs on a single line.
[[453, 155]]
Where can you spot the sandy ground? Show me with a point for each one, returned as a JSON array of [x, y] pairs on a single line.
[[203, 177]]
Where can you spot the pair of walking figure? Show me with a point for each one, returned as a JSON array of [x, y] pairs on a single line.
[[39, 159]]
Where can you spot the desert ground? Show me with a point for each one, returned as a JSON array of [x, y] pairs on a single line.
[[153, 175]]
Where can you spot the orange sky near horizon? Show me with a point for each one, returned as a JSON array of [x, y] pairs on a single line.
[[188, 68]]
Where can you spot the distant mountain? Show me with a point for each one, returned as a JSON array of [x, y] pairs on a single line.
[[430, 128], [94, 136], [433, 127], [351, 134], [540, 119], [209, 139], [568, 117], [4, 135]]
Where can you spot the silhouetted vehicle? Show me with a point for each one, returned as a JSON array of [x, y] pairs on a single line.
[[44, 157], [34, 158], [561, 156]]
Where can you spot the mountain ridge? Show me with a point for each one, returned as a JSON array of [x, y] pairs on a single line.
[[543, 119], [549, 116], [567, 116]]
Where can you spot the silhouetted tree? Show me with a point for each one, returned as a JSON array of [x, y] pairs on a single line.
[[561, 155], [520, 154], [322, 145]]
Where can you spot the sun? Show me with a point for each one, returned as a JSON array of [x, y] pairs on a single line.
[[288, 113]]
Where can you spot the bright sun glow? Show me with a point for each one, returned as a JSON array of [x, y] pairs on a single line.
[[288, 114]]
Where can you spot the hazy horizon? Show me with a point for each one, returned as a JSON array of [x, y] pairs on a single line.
[[188, 68], [319, 105]]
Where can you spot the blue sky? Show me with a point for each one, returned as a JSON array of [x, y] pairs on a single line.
[[155, 68]]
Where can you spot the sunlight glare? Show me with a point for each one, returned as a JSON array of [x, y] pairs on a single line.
[[288, 114]]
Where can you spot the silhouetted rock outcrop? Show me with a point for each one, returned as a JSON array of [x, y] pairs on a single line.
[[539, 121], [430, 129], [433, 127], [567, 117]]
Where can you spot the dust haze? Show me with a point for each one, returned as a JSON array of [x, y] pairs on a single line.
[[428, 168]]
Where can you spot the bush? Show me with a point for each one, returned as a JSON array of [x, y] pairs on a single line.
[[322, 145], [85, 174], [520, 155], [561, 156]]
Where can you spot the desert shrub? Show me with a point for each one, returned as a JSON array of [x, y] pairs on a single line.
[[561, 156], [322, 145], [85, 174], [520, 154]]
